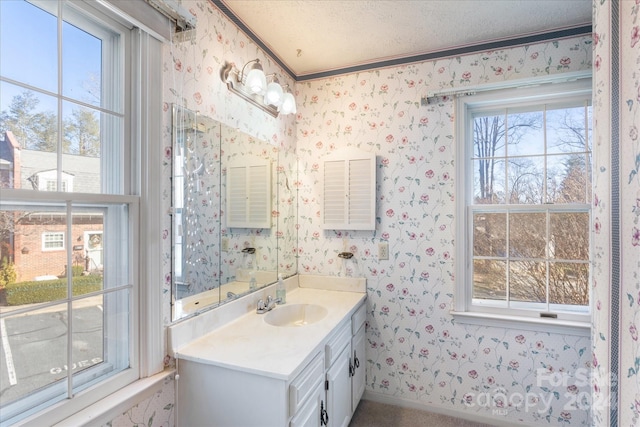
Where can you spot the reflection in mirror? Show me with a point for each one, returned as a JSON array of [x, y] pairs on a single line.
[[215, 259], [195, 224], [249, 246]]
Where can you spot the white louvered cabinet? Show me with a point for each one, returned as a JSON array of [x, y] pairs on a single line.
[[349, 190], [249, 194]]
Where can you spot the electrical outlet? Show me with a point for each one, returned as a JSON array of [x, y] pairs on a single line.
[[224, 244], [383, 250]]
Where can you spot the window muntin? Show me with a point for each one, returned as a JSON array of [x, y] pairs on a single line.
[[75, 128], [528, 204]]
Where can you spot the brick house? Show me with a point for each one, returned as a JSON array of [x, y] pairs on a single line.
[[36, 242]]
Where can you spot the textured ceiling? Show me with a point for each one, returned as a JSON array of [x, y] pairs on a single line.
[[318, 36]]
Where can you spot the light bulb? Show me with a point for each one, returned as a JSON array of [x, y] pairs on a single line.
[[288, 104], [274, 94], [256, 81]]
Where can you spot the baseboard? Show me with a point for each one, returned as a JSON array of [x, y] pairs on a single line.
[[477, 417]]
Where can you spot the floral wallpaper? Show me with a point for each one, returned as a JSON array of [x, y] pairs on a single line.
[[616, 351], [629, 369], [156, 411], [601, 222], [416, 351]]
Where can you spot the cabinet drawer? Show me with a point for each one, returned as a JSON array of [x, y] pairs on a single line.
[[305, 383], [335, 345], [358, 318]]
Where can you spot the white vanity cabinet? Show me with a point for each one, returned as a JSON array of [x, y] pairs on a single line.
[[251, 374], [345, 379], [313, 411], [214, 396]]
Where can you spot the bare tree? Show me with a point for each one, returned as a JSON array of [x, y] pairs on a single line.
[[490, 134]]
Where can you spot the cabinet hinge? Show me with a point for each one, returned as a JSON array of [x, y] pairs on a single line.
[[326, 384]]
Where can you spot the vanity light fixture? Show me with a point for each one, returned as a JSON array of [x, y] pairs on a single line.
[[275, 94], [288, 105], [252, 87]]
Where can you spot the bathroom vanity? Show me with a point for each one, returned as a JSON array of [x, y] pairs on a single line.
[[300, 364]]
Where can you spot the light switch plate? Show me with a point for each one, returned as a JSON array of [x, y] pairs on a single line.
[[383, 250]]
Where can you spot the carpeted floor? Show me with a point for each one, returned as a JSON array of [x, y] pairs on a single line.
[[374, 414]]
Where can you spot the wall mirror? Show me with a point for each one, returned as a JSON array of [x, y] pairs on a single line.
[[218, 170]]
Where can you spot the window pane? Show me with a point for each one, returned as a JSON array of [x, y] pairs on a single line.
[[81, 65], [489, 279], [488, 181], [117, 324], [96, 350], [490, 234], [567, 179], [527, 235], [81, 131], [526, 180], [488, 136], [34, 243], [34, 50], [569, 236], [32, 118], [527, 281], [35, 354], [566, 130], [31, 241], [569, 283], [525, 134], [81, 164]]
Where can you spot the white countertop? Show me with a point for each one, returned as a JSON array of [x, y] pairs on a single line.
[[250, 344]]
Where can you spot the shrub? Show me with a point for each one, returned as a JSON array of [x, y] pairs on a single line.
[[49, 290], [77, 270], [7, 272]]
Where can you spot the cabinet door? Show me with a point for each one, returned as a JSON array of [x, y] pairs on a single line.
[[358, 361], [349, 190], [310, 413], [249, 193], [339, 390]]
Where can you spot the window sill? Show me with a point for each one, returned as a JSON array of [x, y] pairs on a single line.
[[107, 409], [557, 326]]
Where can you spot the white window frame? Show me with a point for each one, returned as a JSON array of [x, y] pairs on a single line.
[[47, 234], [140, 160], [464, 309]]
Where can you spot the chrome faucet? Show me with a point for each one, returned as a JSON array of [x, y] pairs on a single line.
[[269, 305]]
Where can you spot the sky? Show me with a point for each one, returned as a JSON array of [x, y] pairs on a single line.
[[28, 54]]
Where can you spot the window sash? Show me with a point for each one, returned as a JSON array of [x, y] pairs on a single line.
[[484, 104], [118, 293], [53, 403], [513, 306]]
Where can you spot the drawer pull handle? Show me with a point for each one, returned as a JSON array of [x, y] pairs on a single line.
[[324, 417], [356, 362]]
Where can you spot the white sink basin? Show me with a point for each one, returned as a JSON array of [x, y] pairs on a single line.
[[295, 315]]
